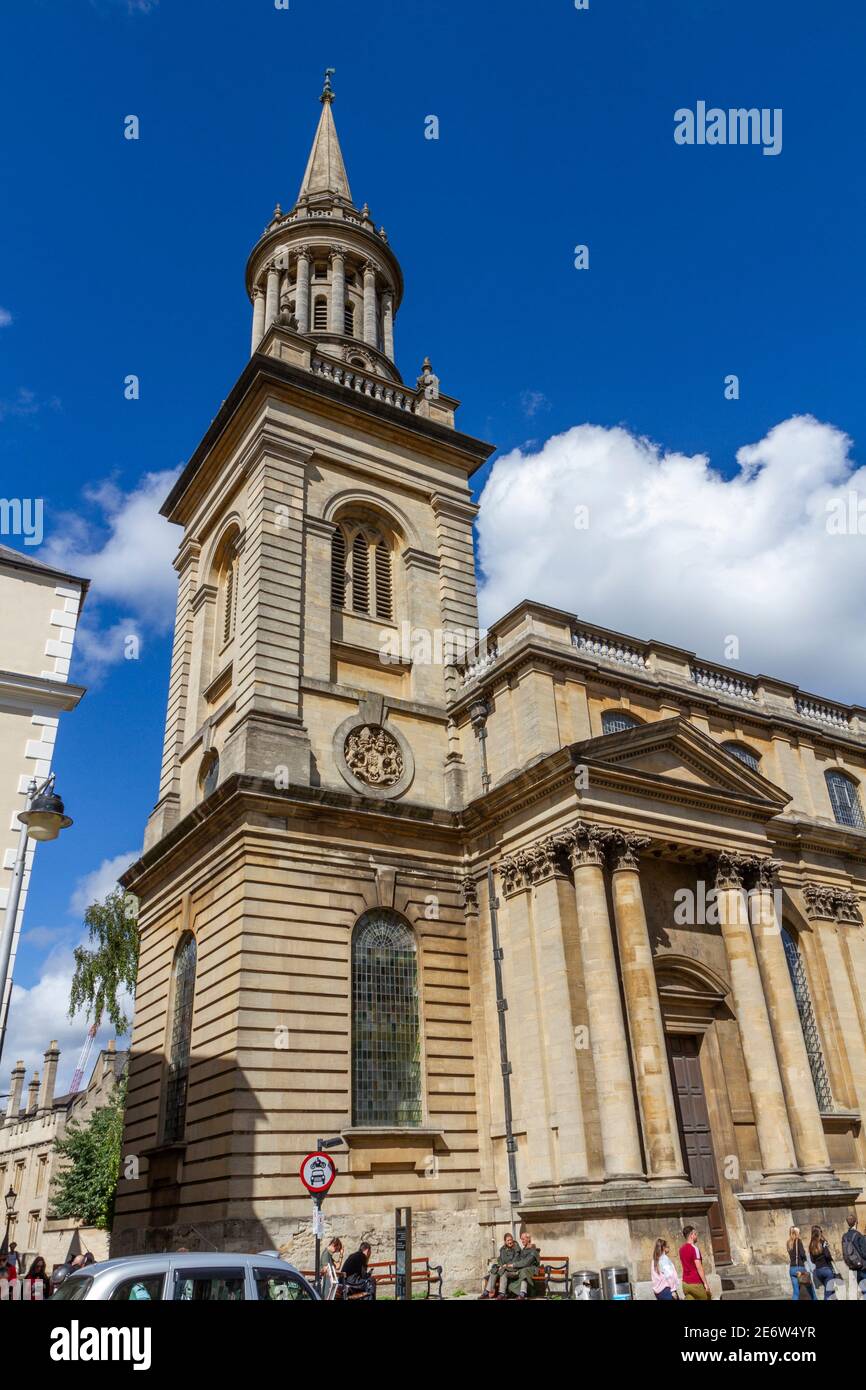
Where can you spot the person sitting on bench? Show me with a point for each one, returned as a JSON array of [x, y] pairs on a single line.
[[524, 1268], [496, 1270]]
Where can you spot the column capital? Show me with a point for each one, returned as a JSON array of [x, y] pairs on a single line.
[[765, 874], [514, 872], [369, 269], [827, 903], [304, 253], [545, 860], [733, 869], [337, 250], [625, 848], [479, 712], [583, 843], [257, 292]]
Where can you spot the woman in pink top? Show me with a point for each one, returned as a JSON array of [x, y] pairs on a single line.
[[664, 1276]]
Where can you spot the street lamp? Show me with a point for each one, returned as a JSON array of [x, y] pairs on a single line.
[[10, 1208], [43, 818]]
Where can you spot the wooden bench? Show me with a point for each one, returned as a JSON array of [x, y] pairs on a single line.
[[555, 1276], [385, 1274]]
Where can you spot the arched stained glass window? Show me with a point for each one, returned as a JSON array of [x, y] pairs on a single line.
[[616, 721], [808, 1022], [183, 990], [386, 1032]]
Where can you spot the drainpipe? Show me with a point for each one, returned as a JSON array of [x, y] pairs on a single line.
[[502, 1009]]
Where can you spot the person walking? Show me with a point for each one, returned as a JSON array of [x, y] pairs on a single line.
[[797, 1265], [854, 1255], [496, 1280], [825, 1272], [695, 1286], [666, 1285], [332, 1260], [13, 1260]]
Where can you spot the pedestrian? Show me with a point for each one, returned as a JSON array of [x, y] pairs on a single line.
[[496, 1280], [37, 1277], [666, 1285], [854, 1254], [356, 1279], [695, 1286], [331, 1262], [797, 1266], [13, 1260], [825, 1273]]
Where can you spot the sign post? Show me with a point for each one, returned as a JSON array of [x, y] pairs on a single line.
[[317, 1172], [403, 1253]]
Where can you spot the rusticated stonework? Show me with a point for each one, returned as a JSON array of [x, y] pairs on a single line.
[[374, 756]]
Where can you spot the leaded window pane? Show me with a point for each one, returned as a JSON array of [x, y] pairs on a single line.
[[179, 1041], [808, 1022], [745, 755], [386, 1034], [845, 800], [616, 721]]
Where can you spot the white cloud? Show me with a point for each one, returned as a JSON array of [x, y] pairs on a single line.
[[95, 886], [38, 1015], [126, 550], [5, 317], [532, 402], [675, 551]]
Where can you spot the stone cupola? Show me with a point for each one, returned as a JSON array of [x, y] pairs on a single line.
[[324, 269]]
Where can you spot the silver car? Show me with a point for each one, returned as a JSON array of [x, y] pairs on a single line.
[[188, 1278]]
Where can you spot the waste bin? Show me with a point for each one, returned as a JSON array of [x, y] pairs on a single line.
[[586, 1285], [616, 1284]]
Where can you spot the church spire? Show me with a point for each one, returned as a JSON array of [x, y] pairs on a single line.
[[326, 172]]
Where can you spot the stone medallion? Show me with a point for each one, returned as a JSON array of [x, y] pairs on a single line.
[[373, 757]]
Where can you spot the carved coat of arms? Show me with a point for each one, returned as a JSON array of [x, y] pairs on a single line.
[[374, 756]]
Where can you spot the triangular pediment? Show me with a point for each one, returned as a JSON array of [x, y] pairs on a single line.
[[676, 752]]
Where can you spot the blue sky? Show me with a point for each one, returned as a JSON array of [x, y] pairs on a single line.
[[556, 128]]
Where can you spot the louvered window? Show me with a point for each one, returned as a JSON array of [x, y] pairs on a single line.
[[338, 569], [230, 598], [349, 325], [320, 314], [616, 721], [360, 574], [384, 602], [845, 800]]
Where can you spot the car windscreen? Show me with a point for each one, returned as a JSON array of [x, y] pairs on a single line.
[[72, 1290]]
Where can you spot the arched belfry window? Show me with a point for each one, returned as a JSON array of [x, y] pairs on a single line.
[[845, 800], [362, 570], [616, 721], [808, 1022], [180, 1035], [228, 575], [386, 1030]]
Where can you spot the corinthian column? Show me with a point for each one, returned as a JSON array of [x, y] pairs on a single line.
[[302, 292], [388, 323], [607, 1035], [759, 1052], [655, 1092], [258, 317], [806, 1127], [338, 289], [370, 329], [272, 297]]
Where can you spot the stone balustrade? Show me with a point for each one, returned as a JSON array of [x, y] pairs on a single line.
[[365, 384], [724, 682], [608, 649], [820, 712]]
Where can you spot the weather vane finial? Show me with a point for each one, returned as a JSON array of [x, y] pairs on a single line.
[[327, 90]]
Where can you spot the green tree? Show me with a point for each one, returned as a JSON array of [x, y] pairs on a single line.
[[84, 1189], [107, 968]]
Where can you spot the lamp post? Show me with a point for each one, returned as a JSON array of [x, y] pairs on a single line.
[[43, 818], [10, 1210]]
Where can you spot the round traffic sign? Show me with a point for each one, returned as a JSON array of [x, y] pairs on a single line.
[[318, 1172]]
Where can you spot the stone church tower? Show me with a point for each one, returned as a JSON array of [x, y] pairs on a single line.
[[562, 928]]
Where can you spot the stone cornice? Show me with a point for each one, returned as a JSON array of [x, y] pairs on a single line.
[[20, 689]]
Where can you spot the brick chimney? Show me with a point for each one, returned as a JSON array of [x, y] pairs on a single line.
[[32, 1093], [16, 1086], [49, 1076]]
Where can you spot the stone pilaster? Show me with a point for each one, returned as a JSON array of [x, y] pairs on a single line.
[[806, 1127], [835, 911], [584, 845], [485, 1068], [655, 1092], [759, 1052], [167, 808]]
